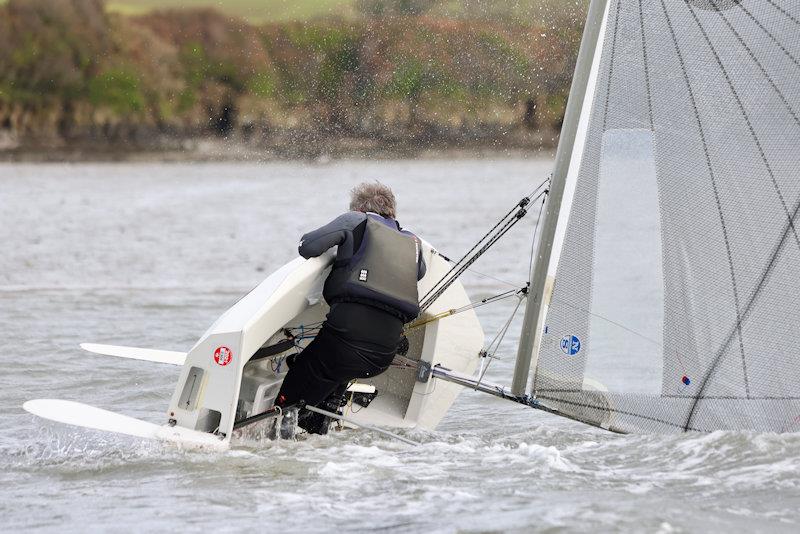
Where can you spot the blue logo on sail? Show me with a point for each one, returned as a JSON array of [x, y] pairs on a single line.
[[570, 345]]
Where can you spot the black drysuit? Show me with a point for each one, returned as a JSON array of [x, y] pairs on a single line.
[[357, 340]]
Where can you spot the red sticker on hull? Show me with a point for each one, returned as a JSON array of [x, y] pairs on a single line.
[[223, 356]]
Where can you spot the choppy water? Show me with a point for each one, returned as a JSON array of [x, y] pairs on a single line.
[[149, 255]]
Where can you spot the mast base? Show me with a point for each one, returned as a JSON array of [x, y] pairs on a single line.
[[497, 390]]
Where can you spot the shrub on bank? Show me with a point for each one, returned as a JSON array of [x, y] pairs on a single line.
[[69, 70]]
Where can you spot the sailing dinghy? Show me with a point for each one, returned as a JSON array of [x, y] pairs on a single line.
[[229, 379], [664, 290]]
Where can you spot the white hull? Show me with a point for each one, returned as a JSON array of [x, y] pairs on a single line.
[[219, 385], [83, 415], [134, 353]]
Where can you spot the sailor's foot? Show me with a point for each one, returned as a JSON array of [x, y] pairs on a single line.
[[313, 423], [288, 423], [316, 423]]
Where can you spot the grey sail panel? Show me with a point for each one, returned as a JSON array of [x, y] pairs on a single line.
[[634, 413], [676, 302]]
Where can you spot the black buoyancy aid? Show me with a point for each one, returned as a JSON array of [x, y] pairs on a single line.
[[383, 271]]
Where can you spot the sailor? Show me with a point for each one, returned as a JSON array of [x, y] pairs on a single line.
[[372, 293]]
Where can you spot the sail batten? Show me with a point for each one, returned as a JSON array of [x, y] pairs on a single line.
[[675, 268]]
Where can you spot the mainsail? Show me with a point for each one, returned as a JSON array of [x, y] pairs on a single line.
[[667, 290]]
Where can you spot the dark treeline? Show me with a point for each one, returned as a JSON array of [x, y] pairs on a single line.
[[72, 74]]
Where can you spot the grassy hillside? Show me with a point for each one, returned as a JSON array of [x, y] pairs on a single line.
[[73, 71], [256, 11], [545, 12]]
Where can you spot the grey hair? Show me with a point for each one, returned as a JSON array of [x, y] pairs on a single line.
[[374, 197]]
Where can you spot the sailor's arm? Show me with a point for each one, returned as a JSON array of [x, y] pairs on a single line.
[[316, 242], [421, 267]]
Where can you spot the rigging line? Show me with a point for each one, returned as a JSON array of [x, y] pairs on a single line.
[[769, 34], [501, 335], [745, 313], [646, 69], [541, 185], [444, 283], [533, 243], [712, 175], [470, 306], [488, 300], [457, 264], [506, 282], [452, 278], [535, 233], [759, 65], [611, 64], [733, 397], [576, 391], [515, 211], [303, 332], [478, 304], [497, 336], [606, 319], [444, 280], [521, 204], [604, 409], [360, 424]]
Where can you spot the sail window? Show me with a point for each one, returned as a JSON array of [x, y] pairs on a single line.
[[627, 314]]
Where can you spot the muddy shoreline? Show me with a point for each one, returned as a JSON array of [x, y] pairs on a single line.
[[309, 148]]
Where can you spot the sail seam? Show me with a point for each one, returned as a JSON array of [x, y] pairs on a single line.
[[608, 409], [716, 199], [761, 67], [769, 34], [646, 68], [749, 124], [746, 312], [611, 65], [758, 144], [674, 396], [761, 152], [788, 15]]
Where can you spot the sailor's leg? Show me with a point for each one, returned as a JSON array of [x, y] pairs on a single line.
[[308, 378], [343, 362], [316, 423], [326, 364], [336, 399]]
